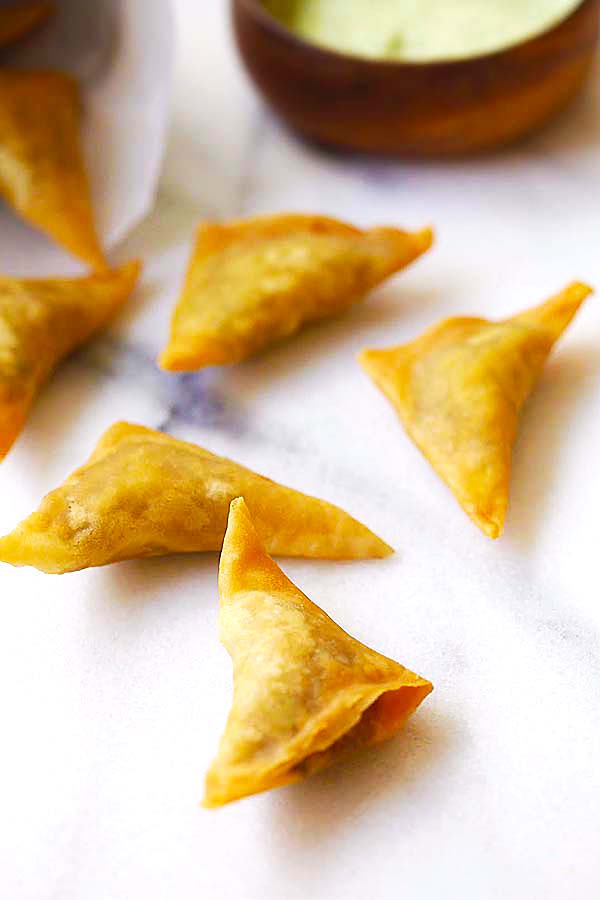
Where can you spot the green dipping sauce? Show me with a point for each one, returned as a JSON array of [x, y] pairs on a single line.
[[419, 30]]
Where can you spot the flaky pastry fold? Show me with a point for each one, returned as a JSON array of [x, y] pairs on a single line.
[[42, 170], [251, 283], [144, 493], [305, 693], [42, 320], [459, 390]]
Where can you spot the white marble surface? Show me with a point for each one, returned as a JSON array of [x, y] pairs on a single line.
[[114, 686]]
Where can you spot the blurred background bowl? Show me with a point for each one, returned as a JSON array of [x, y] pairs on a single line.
[[416, 109]]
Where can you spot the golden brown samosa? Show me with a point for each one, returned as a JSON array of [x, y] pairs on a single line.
[[143, 493], [459, 389], [305, 692], [42, 320], [42, 171], [254, 282], [18, 19]]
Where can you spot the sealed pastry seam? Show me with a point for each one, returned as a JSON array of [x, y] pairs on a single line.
[[318, 747]]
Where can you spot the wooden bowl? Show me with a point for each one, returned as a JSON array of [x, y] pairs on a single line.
[[416, 109]]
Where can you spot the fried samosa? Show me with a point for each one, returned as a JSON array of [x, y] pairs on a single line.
[[305, 693], [252, 283], [459, 389], [143, 493], [42, 320], [42, 171], [22, 17]]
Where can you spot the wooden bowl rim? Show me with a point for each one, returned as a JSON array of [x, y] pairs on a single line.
[[256, 8]]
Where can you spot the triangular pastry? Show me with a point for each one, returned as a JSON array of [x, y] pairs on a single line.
[[459, 389], [144, 493], [305, 692], [18, 19], [42, 320], [254, 282], [42, 171]]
